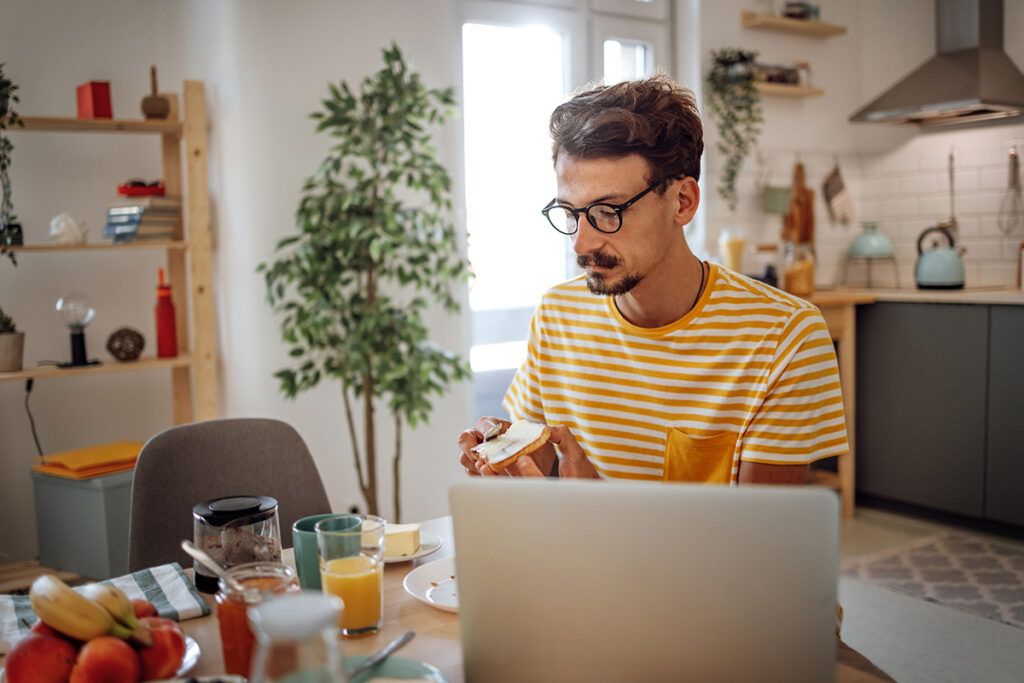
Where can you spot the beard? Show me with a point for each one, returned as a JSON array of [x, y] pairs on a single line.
[[601, 284]]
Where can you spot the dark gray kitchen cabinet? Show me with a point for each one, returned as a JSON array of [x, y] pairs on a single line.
[[1004, 476], [921, 404]]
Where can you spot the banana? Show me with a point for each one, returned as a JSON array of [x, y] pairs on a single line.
[[72, 614], [113, 600]]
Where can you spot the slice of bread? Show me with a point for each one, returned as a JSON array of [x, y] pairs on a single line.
[[521, 438]]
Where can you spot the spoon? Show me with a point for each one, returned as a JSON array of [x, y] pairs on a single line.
[[382, 654], [211, 564]]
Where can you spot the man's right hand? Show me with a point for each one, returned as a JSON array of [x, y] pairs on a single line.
[[474, 437]]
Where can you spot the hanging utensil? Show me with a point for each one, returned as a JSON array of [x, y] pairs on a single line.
[[1011, 209]]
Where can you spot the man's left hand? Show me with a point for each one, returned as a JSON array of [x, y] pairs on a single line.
[[574, 463]]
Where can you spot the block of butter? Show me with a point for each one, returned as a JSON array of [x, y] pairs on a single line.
[[401, 540]]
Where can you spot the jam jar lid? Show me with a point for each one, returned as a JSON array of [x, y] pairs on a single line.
[[238, 509]]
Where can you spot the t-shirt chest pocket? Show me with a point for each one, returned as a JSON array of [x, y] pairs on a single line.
[[705, 459]]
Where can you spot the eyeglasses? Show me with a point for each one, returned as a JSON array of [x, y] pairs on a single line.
[[606, 218]]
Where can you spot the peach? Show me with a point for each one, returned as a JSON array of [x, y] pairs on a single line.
[[44, 630], [159, 622], [144, 608], [106, 660], [38, 658], [163, 657]]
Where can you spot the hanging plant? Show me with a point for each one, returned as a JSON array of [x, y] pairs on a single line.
[[9, 234], [735, 106]]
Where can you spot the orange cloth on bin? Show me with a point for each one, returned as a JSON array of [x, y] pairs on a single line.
[[94, 461]]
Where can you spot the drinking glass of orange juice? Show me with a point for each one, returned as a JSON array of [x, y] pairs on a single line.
[[352, 567]]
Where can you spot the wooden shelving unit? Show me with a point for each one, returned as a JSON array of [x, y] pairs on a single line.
[[100, 246], [63, 124], [105, 368], [770, 22], [194, 389], [783, 90]]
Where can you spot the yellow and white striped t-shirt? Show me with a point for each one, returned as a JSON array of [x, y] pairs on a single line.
[[749, 374]]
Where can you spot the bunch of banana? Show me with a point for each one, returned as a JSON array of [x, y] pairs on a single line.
[[116, 603], [74, 615]]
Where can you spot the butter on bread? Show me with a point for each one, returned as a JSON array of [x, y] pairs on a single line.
[[521, 438]]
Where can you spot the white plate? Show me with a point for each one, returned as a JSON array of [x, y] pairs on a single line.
[[429, 543], [188, 660], [433, 583]]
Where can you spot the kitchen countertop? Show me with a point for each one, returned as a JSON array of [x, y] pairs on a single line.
[[970, 295]]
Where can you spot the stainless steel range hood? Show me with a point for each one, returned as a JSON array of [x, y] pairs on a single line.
[[970, 79]]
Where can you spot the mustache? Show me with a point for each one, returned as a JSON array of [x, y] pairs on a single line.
[[597, 258]]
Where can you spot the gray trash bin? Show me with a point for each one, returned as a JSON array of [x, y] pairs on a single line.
[[82, 525]]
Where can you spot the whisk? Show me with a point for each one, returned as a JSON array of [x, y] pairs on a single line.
[[1011, 210]]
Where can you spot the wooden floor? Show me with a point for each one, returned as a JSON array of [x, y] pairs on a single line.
[[16, 577]]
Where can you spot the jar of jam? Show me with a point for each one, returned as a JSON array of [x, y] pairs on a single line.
[[260, 580]]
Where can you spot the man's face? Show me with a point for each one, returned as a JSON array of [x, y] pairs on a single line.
[[616, 263]]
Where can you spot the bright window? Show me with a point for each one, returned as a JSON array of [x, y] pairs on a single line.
[[513, 76], [626, 60]]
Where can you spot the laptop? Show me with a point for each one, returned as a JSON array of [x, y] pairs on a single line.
[[607, 581]]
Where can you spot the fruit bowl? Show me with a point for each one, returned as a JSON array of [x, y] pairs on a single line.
[[188, 660]]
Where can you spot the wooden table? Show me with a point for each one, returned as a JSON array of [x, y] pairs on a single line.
[[437, 632], [839, 310]]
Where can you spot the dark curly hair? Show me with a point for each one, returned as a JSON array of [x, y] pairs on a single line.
[[656, 118]]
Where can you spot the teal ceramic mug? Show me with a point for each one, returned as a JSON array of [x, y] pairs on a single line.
[[307, 555]]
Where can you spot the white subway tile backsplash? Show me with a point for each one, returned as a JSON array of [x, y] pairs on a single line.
[[898, 208], [878, 187], [978, 203], [983, 250], [905, 190], [991, 274], [918, 183], [934, 205], [965, 180], [994, 178]]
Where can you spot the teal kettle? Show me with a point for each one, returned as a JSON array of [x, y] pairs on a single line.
[[941, 266]]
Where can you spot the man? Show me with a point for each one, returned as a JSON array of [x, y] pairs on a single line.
[[653, 364]]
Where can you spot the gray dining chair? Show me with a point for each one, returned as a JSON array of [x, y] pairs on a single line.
[[190, 463]]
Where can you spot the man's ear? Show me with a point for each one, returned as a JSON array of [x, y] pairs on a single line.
[[686, 193]]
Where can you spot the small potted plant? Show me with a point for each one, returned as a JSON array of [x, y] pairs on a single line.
[[12, 344], [10, 229]]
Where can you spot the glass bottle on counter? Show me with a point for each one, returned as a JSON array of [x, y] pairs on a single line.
[[798, 269], [731, 244], [260, 580], [297, 640]]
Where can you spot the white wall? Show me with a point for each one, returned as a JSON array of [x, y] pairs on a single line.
[[266, 65]]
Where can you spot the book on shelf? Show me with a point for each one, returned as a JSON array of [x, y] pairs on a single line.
[[127, 223]]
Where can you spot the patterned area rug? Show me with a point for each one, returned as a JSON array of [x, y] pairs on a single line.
[[968, 573]]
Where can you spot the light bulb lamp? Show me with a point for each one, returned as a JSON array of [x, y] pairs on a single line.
[[77, 312]]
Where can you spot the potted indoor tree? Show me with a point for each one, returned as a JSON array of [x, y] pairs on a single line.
[[375, 246], [735, 107], [10, 230], [12, 344]]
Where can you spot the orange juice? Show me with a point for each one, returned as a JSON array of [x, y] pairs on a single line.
[[357, 581]]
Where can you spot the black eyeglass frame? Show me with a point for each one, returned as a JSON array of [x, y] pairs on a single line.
[[617, 208]]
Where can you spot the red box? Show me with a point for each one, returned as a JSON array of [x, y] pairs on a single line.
[[94, 100]]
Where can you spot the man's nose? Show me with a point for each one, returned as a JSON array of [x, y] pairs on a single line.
[[587, 238]]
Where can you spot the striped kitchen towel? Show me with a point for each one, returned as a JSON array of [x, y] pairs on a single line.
[[165, 586]]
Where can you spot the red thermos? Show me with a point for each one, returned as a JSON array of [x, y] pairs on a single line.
[[166, 329]]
